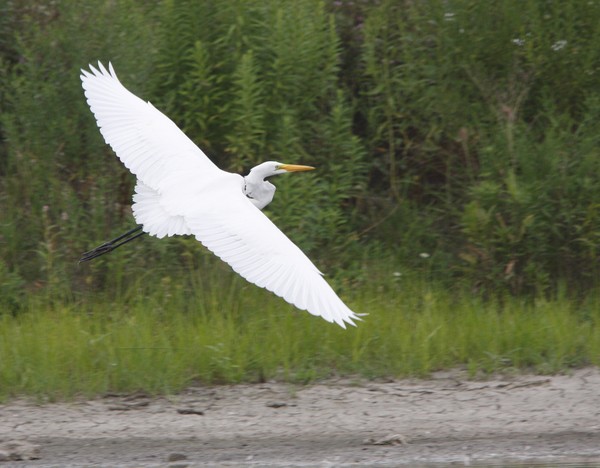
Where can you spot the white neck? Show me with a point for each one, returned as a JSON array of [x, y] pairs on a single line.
[[257, 189]]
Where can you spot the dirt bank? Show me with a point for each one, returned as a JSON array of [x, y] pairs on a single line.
[[337, 423]]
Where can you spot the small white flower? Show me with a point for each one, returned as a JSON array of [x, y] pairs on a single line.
[[424, 255], [518, 42], [558, 45], [397, 274]]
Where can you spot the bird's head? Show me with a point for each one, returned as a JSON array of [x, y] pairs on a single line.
[[271, 168]]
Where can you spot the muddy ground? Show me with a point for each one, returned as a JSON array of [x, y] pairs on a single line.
[[446, 419]]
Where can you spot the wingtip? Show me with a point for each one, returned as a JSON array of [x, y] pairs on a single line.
[[102, 68], [351, 318], [98, 71]]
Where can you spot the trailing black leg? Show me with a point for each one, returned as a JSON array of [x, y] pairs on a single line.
[[111, 244]]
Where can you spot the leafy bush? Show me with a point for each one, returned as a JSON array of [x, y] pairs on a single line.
[[459, 129], [61, 188], [484, 113]]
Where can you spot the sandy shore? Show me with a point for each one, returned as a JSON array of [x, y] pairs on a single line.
[[446, 419]]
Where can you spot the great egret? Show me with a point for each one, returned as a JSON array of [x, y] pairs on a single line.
[[180, 191]]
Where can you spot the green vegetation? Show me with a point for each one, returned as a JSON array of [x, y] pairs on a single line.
[[227, 331], [468, 131]]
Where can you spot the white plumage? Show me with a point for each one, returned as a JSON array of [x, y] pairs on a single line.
[[180, 191]]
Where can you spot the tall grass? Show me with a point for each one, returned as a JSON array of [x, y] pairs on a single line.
[[228, 331]]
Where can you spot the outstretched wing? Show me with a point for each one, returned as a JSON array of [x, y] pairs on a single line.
[[149, 143], [183, 192], [254, 247]]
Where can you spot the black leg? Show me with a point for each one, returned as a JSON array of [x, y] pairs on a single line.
[[111, 245]]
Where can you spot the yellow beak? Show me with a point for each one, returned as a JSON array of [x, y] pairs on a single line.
[[295, 168]]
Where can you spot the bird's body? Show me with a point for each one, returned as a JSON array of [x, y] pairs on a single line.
[[179, 191]]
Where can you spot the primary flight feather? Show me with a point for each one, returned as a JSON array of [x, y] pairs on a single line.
[[180, 191]]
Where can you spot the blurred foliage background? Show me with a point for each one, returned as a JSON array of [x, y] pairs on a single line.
[[458, 139]]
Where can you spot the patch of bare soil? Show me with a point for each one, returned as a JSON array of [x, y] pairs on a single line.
[[446, 419]]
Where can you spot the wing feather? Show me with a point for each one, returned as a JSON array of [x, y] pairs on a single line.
[[149, 144], [149, 212], [180, 191], [266, 257]]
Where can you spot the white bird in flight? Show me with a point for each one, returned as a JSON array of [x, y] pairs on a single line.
[[180, 191]]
